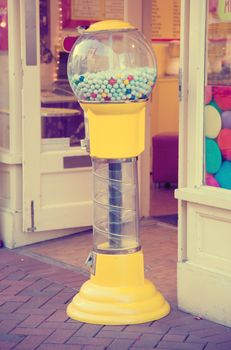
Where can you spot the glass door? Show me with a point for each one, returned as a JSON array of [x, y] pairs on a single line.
[[56, 171], [62, 120], [217, 110], [4, 78]]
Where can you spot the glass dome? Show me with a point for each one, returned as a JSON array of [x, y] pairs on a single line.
[[112, 64]]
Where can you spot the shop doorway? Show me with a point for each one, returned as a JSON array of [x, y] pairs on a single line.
[[165, 112]]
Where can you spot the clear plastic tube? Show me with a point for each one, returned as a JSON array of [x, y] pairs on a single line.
[[115, 205]]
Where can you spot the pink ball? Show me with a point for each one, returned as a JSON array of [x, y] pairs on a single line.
[[224, 143], [208, 94], [211, 181]]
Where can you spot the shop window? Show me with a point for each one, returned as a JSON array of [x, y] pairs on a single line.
[[4, 77], [217, 111]]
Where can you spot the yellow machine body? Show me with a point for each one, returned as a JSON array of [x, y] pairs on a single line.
[[116, 130], [118, 293]]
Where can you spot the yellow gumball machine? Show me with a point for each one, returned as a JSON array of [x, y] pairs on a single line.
[[112, 71]]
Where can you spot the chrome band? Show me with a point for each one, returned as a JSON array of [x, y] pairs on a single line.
[[117, 251]]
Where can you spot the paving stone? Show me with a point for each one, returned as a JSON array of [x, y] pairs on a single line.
[[59, 347], [89, 347], [224, 346], [90, 341], [13, 316], [151, 329], [60, 325], [179, 346], [147, 340], [6, 345], [35, 311], [219, 338], [30, 342], [45, 346], [120, 344], [174, 337], [32, 331], [194, 339], [210, 346], [35, 302], [88, 330], [17, 275], [4, 286], [140, 348], [7, 326], [117, 334], [10, 337], [33, 321], [60, 336], [59, 315], [10, 306], [115, 328]]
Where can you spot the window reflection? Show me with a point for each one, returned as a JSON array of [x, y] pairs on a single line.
[[217, 112], [62, 119], [4, 76]]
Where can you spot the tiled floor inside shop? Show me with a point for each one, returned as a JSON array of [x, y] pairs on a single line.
[[37, 282]]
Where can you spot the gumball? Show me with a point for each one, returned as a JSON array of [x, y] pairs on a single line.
[[130, 84]]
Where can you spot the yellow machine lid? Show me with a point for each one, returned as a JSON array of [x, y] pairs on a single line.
[[109, 25]]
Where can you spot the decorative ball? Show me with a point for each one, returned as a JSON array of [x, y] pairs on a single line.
[[208, 94], [212, 122], [215, 105], [213, 156], [222, 96], [211, 181], [223, 176], [226, 119], [224, 143]]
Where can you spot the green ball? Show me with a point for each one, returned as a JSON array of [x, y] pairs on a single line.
[[215, 105], [213, 156]]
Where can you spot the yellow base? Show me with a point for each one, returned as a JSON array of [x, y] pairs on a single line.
[[118, 293]]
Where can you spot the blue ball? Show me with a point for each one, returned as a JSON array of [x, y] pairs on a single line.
[[223, 176]]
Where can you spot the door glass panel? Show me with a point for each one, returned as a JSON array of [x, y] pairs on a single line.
[[4, 77], [62, 120], [217, 112]]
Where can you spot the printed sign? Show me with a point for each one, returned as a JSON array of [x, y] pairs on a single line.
[[165, 19]]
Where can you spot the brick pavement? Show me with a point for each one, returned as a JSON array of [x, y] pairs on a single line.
[[33, 298]]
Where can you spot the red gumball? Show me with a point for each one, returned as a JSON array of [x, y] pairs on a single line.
[[112, 81], [130, 77]]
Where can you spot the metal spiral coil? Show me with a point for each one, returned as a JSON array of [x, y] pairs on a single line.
[[115, 203]]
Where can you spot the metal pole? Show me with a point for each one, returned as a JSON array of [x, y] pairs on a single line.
[[115, 203]]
